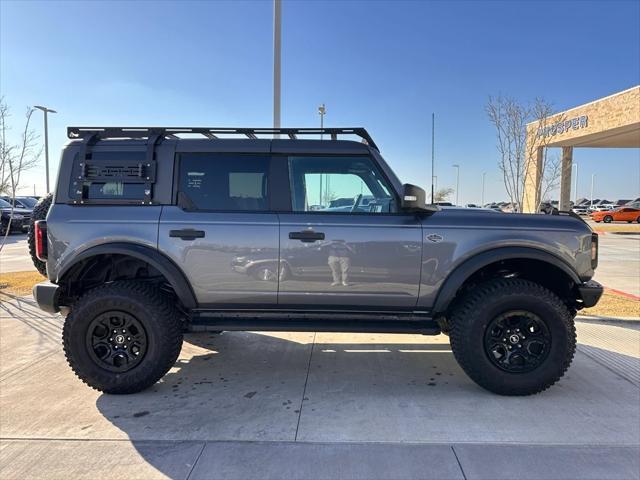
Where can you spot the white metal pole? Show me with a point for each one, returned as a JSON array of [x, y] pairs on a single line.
[[46, 148], [484, 176], [433, 155], [457, 167], [576, 184], [593, 176], [277, 50], [46, 111]]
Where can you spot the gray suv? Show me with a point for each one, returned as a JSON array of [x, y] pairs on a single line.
[[156, 231]]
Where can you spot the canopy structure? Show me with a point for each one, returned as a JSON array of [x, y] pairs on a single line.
[[610, 122]]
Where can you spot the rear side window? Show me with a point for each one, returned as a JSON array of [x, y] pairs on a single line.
[[112, 176], [225, 182]]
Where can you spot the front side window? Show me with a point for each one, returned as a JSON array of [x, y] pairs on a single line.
[[341, 184], [225, 182]]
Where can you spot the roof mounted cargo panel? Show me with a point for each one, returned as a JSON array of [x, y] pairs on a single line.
[[103, 133]]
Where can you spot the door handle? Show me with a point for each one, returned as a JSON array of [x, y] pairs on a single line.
[[307, 236], [186, 234]]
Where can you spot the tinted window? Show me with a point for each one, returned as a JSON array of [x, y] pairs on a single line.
[[114, 190], [225, 182], [347, 184], [28, 202], [107, 162]]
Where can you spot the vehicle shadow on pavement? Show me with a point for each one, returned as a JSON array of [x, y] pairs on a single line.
[[246, 386]]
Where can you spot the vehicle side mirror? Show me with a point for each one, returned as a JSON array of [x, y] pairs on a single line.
[[413, 198]]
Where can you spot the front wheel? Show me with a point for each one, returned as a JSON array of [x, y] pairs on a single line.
[[512, 336], [122, 337]]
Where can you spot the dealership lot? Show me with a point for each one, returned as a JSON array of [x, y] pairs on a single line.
[[256, 405]]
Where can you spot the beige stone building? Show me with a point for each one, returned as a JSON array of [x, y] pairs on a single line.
[[610, 122]]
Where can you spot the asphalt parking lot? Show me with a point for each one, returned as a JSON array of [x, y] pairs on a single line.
[[303, 405]]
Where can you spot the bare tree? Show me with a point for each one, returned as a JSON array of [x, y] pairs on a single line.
[[442, 195], [16, 158], [510, 119]]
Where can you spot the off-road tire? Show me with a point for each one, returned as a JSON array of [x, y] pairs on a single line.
[[155, 312], [39, 213], [476, 309], [608, 219]]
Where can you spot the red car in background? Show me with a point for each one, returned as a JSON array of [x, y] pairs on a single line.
[[622, 214]]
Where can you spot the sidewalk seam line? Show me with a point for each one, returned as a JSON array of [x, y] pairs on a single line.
[[193, 467], [459, 464], [304, 390]]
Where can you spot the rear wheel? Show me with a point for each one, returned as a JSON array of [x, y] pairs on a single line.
[[122, 337], [39, 213], [638, 220], [512, 336], [608, 219]]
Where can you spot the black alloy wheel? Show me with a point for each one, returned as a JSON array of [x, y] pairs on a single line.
[[116, 341], [517, 341]]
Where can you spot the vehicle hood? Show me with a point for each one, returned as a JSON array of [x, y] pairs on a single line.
[[19, 211], [490, 219]]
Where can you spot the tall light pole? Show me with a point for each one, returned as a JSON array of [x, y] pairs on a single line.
[[277, 50], [576, 184], [46, 140], [457, 167], [593, 179], [484, 176], [321, 110], [433, 161], [434, 179]]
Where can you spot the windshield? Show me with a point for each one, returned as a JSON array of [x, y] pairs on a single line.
[[4, 204], [28, 201]]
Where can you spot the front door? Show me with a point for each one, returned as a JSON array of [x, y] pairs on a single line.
[[345, 244]]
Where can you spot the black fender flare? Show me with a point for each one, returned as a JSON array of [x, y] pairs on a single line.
[[156, 259], [462, 272]]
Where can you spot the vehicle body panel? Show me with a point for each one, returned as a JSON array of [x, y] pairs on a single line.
[[208, 262], [73, 229], [462, 234], [383, 255]]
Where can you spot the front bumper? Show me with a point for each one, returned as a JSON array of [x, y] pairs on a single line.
[[590, 293], [46, 295]]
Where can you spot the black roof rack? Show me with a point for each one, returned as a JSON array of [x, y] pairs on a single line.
[[101, 133]]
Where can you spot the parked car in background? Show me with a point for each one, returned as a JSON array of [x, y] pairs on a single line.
[[20, 218], [21, 202], [581, 210], [624, 214]]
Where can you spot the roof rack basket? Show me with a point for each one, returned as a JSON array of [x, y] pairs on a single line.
[[102, 133]]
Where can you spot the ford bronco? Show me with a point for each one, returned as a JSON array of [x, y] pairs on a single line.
[[156, 231]]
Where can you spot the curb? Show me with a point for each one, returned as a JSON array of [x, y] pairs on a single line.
[[630, 296], [623, 320]]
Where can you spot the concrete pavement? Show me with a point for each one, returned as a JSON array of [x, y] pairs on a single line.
[[303, 405], [619, 263], [15, 255]]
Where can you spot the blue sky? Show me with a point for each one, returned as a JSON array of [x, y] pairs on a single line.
[[382, 65]]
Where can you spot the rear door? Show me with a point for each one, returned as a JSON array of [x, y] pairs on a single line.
[[360, 252], [222, 232]]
